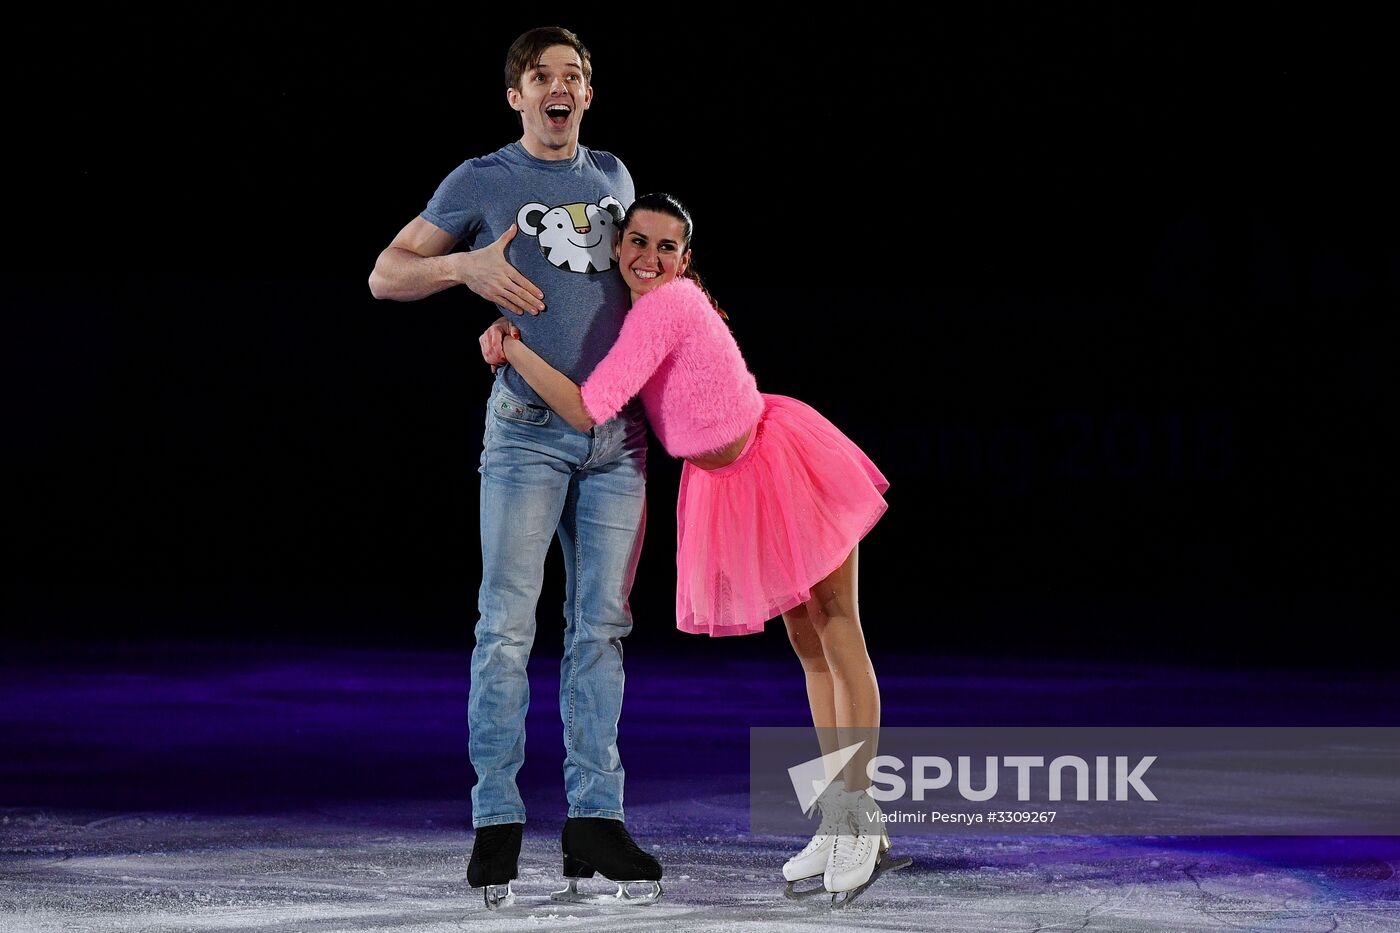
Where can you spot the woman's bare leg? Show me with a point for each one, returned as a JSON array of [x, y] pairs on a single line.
[[835, 617], [820, 691]]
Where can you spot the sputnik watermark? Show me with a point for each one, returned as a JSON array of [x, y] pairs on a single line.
[[811, 778], [1088, 780], [887, 784]]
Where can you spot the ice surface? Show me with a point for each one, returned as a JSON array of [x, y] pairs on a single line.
[[401, 867], [266, 788]]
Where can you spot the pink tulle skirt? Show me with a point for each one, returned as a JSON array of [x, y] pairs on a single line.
[[754, 537]]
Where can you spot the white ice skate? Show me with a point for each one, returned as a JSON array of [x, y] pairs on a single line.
[[859, 849], [811, 862]]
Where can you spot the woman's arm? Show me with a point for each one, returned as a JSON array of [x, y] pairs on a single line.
[[558, 390], [655, 325]]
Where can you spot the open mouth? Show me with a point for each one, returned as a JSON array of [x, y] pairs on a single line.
[[558, 115], [644, 274]]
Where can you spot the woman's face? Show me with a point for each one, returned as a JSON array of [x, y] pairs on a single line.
[[651, 251]]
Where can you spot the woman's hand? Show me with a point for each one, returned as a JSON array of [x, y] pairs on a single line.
[[558, 391], [492, 342]]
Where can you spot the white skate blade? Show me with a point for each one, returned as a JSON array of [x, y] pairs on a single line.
[[572, 895], [885, 864], [791, 893], [498, 896]]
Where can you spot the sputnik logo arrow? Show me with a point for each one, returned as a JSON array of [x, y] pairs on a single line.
[[809, 779]]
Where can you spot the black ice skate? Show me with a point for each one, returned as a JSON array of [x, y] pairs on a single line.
[[495, 863], [602, 846]]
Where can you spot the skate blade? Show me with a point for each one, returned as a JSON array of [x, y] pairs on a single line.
[[498, 896], [886, 864], [791, 893], [572, 895]]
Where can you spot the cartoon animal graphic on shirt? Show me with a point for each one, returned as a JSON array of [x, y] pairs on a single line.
[[576, 237]]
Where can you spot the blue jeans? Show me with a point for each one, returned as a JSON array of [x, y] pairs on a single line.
[[540, 477]]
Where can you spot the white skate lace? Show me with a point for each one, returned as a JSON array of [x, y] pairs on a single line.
[[830, 823], [851, 847], [830, 810]]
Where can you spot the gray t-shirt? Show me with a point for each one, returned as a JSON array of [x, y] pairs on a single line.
[[567, 212]]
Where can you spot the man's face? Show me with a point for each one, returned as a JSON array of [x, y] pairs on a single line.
[[551, 101]]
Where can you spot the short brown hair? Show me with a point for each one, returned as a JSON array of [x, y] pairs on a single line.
[[525, 53]]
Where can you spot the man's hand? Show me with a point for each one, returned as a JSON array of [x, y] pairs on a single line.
[[492, 341], [487, 272]]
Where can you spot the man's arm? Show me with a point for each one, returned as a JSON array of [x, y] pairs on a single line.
[[418, 263]]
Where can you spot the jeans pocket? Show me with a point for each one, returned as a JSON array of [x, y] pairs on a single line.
[[507, 407]]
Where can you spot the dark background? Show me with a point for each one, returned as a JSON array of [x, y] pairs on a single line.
[[1106, 293]]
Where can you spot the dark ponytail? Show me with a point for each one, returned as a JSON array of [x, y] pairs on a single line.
[[694, 276], [661, 203]]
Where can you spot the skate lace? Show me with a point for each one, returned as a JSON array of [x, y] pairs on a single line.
[[829, 824], [813, 844], [852, 843]]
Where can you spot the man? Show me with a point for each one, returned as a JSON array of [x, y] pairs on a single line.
[[538, 218]]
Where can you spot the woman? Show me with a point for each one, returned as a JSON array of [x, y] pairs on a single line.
[[773, 500]]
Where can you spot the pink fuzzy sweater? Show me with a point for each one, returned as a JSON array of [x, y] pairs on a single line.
[[674, 349]]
